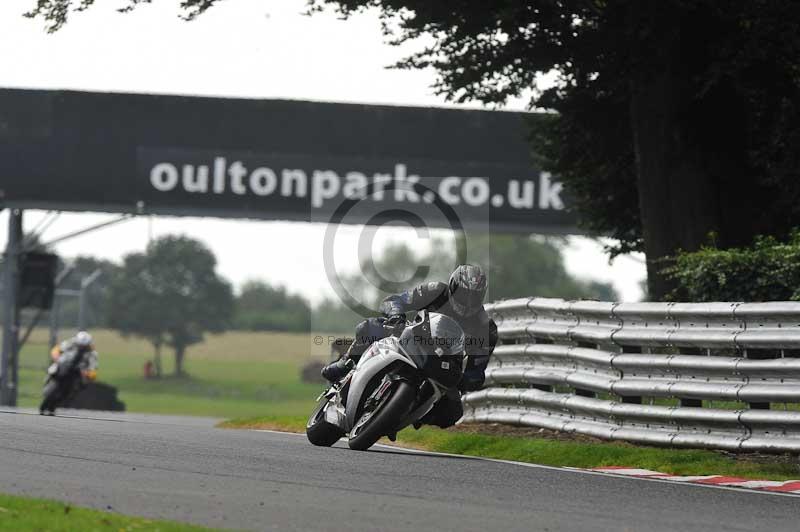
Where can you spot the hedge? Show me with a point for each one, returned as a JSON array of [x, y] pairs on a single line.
[[769, 270]]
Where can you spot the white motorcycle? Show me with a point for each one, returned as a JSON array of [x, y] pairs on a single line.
[[395, 384]]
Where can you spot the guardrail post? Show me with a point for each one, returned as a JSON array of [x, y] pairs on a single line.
[[760, 355], [691, 403], [632, 399], [580, 392]]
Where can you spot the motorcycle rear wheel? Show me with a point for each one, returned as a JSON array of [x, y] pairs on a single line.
[[318, 431], [384, 420]]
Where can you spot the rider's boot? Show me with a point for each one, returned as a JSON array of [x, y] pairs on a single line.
[[336, 371]]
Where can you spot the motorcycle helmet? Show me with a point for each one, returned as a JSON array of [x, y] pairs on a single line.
[[468, 286], [83, 339]]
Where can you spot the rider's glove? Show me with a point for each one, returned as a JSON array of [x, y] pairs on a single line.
[[395, 324], [392, 307]]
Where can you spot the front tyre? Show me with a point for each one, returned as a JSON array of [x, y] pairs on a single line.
[[375, 424], [319, 432], [50, 396]]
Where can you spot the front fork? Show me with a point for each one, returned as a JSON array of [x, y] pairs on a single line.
[[428, 394]]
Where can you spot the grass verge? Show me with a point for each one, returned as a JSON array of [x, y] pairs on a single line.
[[477, 440], [24, 514], [232, 374]]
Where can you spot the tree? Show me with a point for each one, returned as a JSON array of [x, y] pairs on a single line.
[[97, 295], [700, 125], [520, 266], [517, 266], [768, 270], [332, 316], [170, 295], [676, 118], [261, 307], [399, 268], [134, 308]]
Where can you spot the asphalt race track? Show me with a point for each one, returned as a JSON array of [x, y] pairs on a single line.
[[186, 470]]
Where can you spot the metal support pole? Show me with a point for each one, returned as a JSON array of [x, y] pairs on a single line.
[[86, 282], [56, 310], [54, 317], [61, 238], [82, 309], [9, 360]]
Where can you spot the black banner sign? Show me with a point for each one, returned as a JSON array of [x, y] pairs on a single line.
[[274, 160]]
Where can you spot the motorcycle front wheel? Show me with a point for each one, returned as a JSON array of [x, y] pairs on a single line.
[[319, 432], [377, 423], [50, 396]]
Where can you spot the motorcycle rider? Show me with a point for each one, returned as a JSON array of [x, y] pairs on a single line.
[[461, 299], [76, 354]]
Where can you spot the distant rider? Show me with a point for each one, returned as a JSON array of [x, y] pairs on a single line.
[[461, 299], [76, 354], [80, 346]]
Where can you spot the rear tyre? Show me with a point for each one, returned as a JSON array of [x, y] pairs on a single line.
[[319, 432], [384, 420]]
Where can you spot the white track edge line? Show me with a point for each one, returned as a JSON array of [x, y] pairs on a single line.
[[563, 469]]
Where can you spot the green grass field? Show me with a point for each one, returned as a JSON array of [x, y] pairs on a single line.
[[24, 514], [230, 375]]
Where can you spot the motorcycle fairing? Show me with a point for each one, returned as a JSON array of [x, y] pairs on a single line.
[[379, 356]]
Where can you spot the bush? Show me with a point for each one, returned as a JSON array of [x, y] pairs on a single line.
[[263, 307], [769, 270]]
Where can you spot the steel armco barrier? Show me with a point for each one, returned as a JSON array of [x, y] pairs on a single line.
[[704, 375]]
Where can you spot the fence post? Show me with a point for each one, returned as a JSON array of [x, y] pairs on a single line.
[[86, 282]]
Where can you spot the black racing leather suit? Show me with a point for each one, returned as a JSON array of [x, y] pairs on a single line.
[[480, 330]]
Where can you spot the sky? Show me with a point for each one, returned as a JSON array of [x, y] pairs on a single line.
[[241, 48]]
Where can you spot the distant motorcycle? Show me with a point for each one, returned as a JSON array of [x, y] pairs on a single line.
[[396, 383], [72, 370]]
